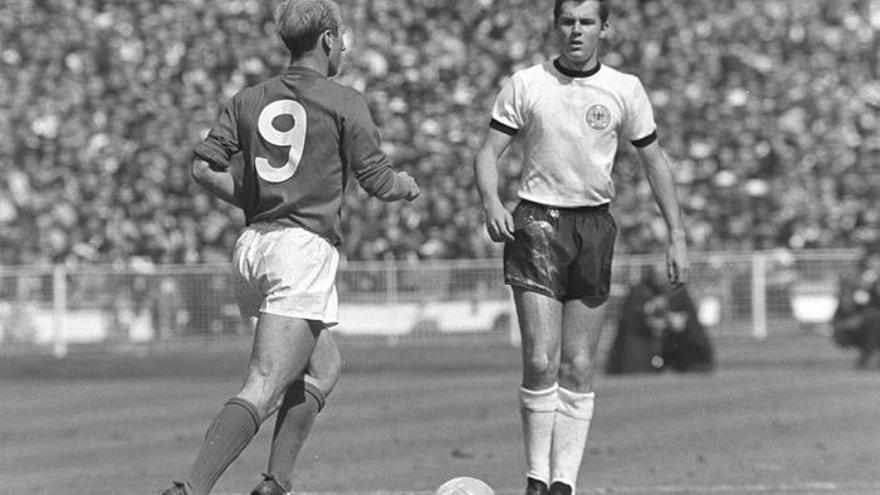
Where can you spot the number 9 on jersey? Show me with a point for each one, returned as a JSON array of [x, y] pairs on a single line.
[[293, 138]]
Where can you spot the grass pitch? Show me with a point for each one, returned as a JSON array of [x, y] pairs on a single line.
[[788, 415]]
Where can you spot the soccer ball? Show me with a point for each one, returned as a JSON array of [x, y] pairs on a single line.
[[465, 486]]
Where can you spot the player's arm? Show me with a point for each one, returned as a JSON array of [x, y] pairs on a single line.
[[499, 221], [211, 157], [361, 147], [217, 179], [374, 173], [659, 173]]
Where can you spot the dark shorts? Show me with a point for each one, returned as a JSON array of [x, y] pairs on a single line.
[[563, 253]]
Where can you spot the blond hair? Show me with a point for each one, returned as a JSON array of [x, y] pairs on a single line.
[[299, 23]]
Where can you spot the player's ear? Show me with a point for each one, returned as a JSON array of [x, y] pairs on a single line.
[[327, 41], [603, 31]]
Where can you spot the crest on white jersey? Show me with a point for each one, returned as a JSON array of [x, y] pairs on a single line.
[[598, 117]]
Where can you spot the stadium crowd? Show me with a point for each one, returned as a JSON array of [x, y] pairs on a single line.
[[769, 108]]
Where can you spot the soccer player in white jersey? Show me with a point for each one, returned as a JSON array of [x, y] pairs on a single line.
[[568, 114], [301, 137]]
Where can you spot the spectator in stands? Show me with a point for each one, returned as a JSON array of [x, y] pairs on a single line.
[[113, 92]]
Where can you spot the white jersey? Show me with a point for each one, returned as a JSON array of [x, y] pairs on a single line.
[[569, 123]]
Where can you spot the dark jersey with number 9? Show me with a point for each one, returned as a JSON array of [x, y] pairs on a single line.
[[300, 136]]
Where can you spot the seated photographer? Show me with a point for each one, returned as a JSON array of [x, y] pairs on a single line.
[[686, 345], [659, 328], [640, 329], [856, 322]]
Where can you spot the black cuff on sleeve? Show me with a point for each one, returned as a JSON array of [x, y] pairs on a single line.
[[645, 141], [498, 126]]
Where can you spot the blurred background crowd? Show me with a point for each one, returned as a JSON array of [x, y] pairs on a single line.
[[770, 110]]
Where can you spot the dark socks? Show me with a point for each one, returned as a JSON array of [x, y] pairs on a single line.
[[231, 431], [301, 404]]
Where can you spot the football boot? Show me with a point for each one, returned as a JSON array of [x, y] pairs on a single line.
[[536, 487], [559, 488], [269, 486], [179, 488]]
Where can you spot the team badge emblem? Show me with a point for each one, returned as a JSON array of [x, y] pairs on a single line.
[[598, 117]]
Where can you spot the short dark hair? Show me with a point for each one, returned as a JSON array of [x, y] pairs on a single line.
[[300, 23], [604, 11]]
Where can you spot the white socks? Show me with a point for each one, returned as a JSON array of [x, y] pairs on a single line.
[[556, 422], [570, 428], [538, 410]]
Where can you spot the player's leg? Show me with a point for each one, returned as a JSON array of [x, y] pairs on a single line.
[[540, 320], [301, 403], [249, 300], [582, 320], [534, 266], [281, 350], [307, 276], [582, 327]]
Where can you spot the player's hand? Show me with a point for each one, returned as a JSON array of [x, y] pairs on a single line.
[[677, 264], [410, 187], [499, 223]]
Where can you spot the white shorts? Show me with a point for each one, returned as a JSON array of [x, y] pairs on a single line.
[[286, 271]]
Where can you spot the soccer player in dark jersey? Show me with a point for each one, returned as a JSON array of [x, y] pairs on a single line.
[[568, 114], [301, 137]]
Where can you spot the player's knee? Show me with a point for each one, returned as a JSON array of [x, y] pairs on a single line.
[[577, 370], [540, 364], [264, 376], [264, 385], [332, 364], [323, 371], [323, 382]]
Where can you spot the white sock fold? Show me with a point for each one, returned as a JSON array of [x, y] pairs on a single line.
[[570, 428], [538, 411]]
